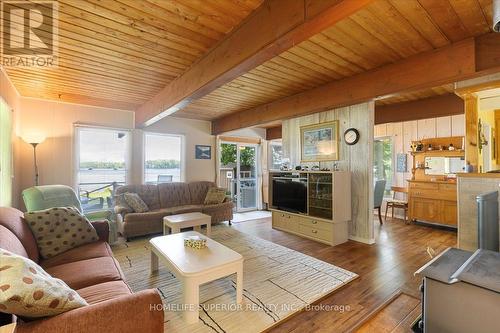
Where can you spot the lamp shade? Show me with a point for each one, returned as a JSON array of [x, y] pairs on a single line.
[[33, 138]]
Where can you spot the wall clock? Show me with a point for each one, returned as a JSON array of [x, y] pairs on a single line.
[[351, 136]]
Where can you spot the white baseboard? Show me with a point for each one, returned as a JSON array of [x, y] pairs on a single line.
[[369, 241]]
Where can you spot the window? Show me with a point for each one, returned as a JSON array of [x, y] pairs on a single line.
[[163, 158], [5, 154], [383, 161], [275, 155], [102, 164]]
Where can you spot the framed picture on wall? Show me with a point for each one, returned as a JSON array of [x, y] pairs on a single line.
[[203, 152], [320, 142]]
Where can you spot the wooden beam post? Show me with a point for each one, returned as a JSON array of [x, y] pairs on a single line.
[[273, 28], [471, 135], [452, 63]]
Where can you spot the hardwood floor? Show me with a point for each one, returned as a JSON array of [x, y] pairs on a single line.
[[384, 268], [396, 316]]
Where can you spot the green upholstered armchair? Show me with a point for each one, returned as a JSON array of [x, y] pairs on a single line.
[[49, 196]]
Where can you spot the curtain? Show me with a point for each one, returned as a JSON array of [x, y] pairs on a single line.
[[6, 159]]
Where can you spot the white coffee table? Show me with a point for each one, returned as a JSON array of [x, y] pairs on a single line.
[[176, 222], [194, 267]]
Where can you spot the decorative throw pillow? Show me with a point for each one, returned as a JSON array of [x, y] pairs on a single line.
[[26, 290], [135, 201], [120, 201], [215, 196], [57, 230]]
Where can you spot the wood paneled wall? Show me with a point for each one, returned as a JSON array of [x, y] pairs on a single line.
[[405, 132], [358, 159]]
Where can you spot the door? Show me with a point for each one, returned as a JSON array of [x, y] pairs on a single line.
[[238, 174]]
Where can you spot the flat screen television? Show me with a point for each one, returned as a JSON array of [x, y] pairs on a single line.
[[290, 195]]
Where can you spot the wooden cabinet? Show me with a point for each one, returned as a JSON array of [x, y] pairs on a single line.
[[328, 208], [324, 231], [434, 202]]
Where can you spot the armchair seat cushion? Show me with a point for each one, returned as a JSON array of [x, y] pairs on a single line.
[[104, 291], [87, 251], [85, 273]]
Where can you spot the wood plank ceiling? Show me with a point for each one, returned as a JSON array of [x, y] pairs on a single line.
[[384, 32], [120, 53]]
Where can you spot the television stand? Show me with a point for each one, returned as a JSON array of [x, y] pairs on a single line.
[[328, 207]]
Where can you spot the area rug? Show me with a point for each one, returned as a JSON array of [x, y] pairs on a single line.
[[277, 282]]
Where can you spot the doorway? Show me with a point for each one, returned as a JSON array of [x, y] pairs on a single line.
[[238, 173]]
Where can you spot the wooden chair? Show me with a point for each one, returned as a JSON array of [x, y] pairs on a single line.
[[394, 203]]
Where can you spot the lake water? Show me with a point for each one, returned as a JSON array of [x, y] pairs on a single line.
[[107, 176]]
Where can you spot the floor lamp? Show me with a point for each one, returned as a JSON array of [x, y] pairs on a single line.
[[34, 140]]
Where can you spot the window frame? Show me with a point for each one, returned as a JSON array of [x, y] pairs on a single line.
[[277, 142], [76, 140], [7, 170], [393, 160], [183, 154]]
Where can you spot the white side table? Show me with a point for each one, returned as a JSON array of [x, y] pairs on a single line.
[[176, 222]]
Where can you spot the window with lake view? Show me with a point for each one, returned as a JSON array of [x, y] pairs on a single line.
[[103, 164], [162, 158]]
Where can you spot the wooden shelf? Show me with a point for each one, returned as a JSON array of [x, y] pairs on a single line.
[[458, 151]]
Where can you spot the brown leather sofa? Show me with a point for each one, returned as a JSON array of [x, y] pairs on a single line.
[[92, 271], [168, 199]]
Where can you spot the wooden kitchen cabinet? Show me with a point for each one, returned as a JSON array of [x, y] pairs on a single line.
[[433, 202]]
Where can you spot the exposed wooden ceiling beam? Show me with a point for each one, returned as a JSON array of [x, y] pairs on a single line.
[[431, 107], [459, 61], [273, 133], [270, 30]]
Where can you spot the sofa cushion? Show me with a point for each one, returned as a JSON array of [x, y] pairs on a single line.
[[156, 215], [27, 290], [10, 242], [120, 202], [174, 194], [60, 229], [87, 251], [84, 273], [135, 201], [198, 191], [104, 291], [207, 209], [12, 219], [148, 193], [215, 196], [184, 209]]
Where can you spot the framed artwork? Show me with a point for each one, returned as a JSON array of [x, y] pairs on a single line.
[[320, 142], [401, 165], [203, 152]]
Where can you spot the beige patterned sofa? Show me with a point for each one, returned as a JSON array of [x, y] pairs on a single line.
[[167, 199]]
